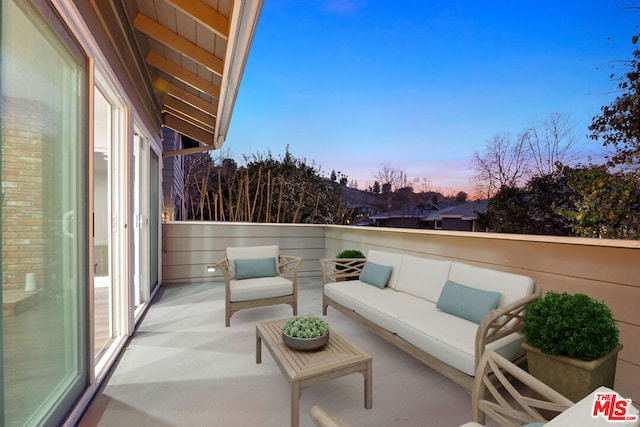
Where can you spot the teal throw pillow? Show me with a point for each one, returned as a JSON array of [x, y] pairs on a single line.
[[375, 274], [255, 267], [538, 424], [469, 303]]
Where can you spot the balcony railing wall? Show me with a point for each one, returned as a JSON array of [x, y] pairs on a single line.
[[607, 270]]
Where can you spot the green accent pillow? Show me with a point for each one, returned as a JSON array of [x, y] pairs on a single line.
[[469, 303], [375, 274], [255, 267], [538, 424]]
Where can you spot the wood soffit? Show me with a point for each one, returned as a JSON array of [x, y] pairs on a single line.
[[184, 43]]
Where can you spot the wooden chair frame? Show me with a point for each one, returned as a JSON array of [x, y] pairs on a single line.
[[508, 406], [322, 418], [287, 266]]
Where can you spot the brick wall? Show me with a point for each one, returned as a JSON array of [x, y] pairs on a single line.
[[23, 143]]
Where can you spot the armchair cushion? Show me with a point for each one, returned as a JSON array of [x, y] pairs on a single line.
[[249, 252], [260, 288], [466, 302], [376, 274], [255, 267]]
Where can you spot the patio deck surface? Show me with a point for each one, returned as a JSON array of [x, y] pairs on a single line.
[[184, 368]]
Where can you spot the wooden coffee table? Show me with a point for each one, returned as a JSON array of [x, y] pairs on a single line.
[[304, 368]]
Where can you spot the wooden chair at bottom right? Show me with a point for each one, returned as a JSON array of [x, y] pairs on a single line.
[[321, 418], [499, 398]]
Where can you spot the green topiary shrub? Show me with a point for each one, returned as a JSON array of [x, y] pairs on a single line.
[[350, 253], [576, 326], [305, 327]]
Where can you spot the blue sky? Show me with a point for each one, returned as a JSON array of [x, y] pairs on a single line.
[[420, 85]]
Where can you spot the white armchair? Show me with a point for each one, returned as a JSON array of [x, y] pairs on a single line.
[[257, 276]]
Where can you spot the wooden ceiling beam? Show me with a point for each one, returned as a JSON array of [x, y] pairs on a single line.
[[188, 113], [204, 14], [191, 99], [188, 129], [172, 40], [185, 76]]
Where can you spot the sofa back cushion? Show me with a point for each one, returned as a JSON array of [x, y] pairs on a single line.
[[250, 252], [511, 286], [387, 258], [376, 274], [423, 277], [467, 302]]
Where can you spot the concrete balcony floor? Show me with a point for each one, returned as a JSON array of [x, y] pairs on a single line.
[[184, 368]]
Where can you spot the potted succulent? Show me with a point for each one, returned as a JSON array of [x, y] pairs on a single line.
[[305, 333], [572, 343], [348, 254]]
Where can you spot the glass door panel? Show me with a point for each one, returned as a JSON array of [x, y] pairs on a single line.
[[102, 220], [140, 220], [44, 222]]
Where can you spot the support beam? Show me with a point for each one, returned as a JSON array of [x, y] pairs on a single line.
[[172, 40], [187, 77], [177, 92], [204, 14], [188, 129], [188, 113], [200, 149]]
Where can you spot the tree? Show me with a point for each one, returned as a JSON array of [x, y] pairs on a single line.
[[605, 204], [550, 142], [265, 190], [619, 124], [531, 209], [503, 163], [196, 183], [395, 177], [461, 197], [506, 212], [585, 201]]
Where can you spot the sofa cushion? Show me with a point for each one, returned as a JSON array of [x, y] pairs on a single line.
[[255, 267], [466, 302], [249, 252], [385, 307], [263, 287], [387, 258], [451, 339], [347, 293], [511, 286], [423, 277], [376, 274]]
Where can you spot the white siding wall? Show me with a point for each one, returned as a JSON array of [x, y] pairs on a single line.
[[189, 247]]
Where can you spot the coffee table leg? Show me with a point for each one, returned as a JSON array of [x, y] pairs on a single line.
[[368, 386], [258, 348], [295, 404]]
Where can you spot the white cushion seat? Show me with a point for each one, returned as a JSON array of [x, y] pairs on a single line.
[[347, 293], [452, 339], [259, 288], [385, 308]]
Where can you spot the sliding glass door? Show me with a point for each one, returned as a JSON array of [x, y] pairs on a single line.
[[44, 220]]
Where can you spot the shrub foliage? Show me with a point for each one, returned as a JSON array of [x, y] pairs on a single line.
[[571, 325]]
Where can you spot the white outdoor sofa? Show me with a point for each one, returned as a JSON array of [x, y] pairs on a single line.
[[409, 311]]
